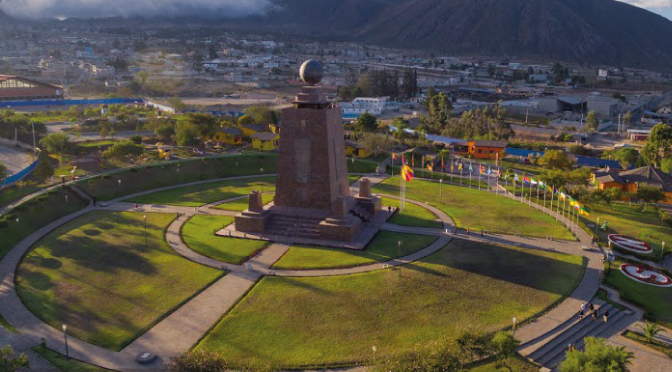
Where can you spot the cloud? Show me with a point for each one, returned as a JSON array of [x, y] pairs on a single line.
[[107, 8], [650, 4]]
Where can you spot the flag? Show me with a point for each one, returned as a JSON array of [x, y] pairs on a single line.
[[549, 189], [526, 180], [515, 179], [430, 166], [394, 156], [452, 167], [471, 169], [489, 171], [459, 167], [413, 161], [443, 165], [407, 173], [499, 173], [480, 169]]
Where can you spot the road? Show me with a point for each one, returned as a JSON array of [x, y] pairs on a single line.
[[92, 136], [14, 159]]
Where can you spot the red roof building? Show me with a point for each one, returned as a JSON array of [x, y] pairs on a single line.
[[15, 88]]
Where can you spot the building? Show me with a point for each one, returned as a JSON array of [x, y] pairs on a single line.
[[228, 135], [250, 130], [604, 106], [639, 134], [361, 105], [265, 141], [481, 149], [353, 148], [629, 181], [14, 88]]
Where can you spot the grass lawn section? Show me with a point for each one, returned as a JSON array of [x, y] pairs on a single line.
[[301, 322], [656, 301], [199, 234], [242, 204], [96, 275], [657, 345], [478, 210], [383, 247], [518, 364], [361, 166], [412, 215], [198, 195], [64, 364]]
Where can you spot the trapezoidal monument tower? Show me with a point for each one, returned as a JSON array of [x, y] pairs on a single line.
[[312, 197]]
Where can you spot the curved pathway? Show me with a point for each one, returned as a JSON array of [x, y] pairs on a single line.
[[183, 328]]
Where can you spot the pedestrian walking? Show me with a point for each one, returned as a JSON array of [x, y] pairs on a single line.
[[580, 315], [583, 307], [605, 316], [468, 231], [389, 210], [594, 314], [591, 307]]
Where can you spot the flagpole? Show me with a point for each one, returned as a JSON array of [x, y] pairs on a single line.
[[522, 187], [538, 184], [530, 202], [392, 164], [545, 196], [552, 197]]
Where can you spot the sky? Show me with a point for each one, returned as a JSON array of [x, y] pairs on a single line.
[[233, 8], [662, 7]]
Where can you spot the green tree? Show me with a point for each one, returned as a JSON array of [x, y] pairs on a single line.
[[658, 146], [504, 345], [598, 356], [650, 330], [591, 120], [246, 120], [56, 142], [44, 168], [136, 139], [474, 347], [376, 143], [627, 119], [177, 103], [165, 132], [186, 134], [261, 114], [555, 159], [666, 165], [626, 157], [649, 194], [122, 149], [3, 171], [10, 363], [554, 177], [207, 124], [366, 122]]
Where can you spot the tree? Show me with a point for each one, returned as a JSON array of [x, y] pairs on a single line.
[[555, 178], [176, 103], [504, 345], [626, 157], [187, 134], [376, 143], [56, 142], [246, 120], [555, 159], [207, 124], [650, 331], [649, 194], [3, 171], [261, 114], [666, 165], [165, 132], [598, 356], [9, 363], [123, 149], [591, 120], [136, 139], [44, 168], [474, 347], [366, 122], [627, 119], [658, 146], [197, 361]]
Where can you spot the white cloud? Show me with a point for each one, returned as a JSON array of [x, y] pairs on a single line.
[[106, 8], [650, 4]]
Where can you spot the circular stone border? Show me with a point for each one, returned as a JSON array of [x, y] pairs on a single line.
[[630, 244], [646, 276]]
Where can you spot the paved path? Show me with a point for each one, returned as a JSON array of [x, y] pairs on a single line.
[[14, 159]]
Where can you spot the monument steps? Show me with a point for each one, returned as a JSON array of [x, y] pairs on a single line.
[[303, 227]]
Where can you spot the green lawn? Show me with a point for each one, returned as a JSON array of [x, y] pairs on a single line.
[[412, 215], [362, 166], [96, 275], [199, 234], [303, 322], [198, 195], [518, 364], [66, 365], [175, 173], [656, 301], [474, 209], [383, 247], [242, 204]]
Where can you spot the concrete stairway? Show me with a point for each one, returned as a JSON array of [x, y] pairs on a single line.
[[552, 351], [302, 227]]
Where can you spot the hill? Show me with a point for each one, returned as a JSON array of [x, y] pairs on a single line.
[[588, 31]]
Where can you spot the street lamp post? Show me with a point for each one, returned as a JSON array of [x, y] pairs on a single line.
[[662, 252], [513, 330], [119, 182], [399, 246], [597, 224], [441, 190], [144, 219], [65, 336]]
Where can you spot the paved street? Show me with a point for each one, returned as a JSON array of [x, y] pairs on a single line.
[[92, 136], [14, 159]]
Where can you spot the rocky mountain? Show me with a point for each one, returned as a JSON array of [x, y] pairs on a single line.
[[590, 31]]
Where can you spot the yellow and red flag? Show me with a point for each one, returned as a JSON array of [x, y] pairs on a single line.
[[394, 156], [407, 173]]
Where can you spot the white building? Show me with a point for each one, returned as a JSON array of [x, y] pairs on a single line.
[[360, 105]]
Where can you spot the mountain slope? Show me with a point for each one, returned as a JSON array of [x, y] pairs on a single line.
[[591, 31]]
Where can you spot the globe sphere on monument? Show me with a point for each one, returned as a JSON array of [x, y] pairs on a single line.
[[311, 72]]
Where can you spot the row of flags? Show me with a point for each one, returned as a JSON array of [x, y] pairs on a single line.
[[408, 175]]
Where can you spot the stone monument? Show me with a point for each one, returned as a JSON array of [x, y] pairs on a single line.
[[312, 197]]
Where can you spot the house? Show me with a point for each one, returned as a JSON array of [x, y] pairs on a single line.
[[629, 181], [481, 149], [265, 141], [250, 130], [228, 135], [353, 148]]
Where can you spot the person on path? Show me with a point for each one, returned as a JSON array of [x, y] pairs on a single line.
[[591, 307], [468, 231], [580, 315], [583, 307], [605, 316], [389, 210], [594, 314]]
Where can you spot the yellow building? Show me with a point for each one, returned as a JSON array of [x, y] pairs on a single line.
[[229, 136], [265, 141], [250, 130], [629, 181], [355, 149]]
